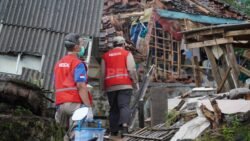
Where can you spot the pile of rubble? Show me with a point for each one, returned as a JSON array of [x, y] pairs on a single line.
[[196, 112]]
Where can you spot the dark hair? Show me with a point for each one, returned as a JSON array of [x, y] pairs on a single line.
[[70, 40]]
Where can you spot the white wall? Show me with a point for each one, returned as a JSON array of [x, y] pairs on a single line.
[[8, 64]]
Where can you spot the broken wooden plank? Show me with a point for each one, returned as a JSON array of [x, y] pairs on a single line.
[[217, 112], [178, 107], [186, 94], [209, 115], [210, 42], [214, 117], [244, 70], [237, 33], [223, 80], [187, 116]]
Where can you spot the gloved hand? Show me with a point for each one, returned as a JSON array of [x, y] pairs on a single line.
[[90, 115]]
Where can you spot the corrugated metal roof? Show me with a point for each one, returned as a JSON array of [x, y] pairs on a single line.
[[34, 41], [80, 16], [38, 27]]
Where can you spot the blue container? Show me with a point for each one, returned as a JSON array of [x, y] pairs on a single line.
[[85, 134], [88, 133]]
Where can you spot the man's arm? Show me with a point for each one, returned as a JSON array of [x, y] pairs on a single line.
[[132, 69], [83, 92], [80, 77]]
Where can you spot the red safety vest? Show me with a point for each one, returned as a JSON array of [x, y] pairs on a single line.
[[116, 72], [66, 88]]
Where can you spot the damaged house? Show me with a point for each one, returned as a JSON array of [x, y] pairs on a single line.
[[156, 31], [174, 35]]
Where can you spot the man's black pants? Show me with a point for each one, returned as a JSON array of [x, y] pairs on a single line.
[[119, 108]]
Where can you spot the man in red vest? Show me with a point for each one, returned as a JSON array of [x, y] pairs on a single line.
[[70, 82], [119, 77]]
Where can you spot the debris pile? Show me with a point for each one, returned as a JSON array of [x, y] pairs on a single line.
[[191, 117]]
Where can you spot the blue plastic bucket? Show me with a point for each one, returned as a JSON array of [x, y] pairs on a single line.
[[85, 134]]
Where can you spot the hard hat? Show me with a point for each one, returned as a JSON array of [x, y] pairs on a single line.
[[71, 39], [119, 40]]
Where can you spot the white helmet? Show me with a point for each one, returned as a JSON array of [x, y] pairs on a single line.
[[119, 40]]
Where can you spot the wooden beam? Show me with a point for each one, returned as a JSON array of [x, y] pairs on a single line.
[[128, 15], [205, 33], [191, 66], [231, 62], [179, 59], [237, 33], [244, 70], [197, 76], [210, 43], [215, 70], [223, 80]]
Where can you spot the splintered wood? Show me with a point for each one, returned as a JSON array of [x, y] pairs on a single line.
[[215, 117]]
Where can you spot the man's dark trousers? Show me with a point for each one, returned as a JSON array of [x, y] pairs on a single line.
[[119, 108]]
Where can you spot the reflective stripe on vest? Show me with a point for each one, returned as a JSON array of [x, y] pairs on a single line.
[[66, 89], [118, 75]]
